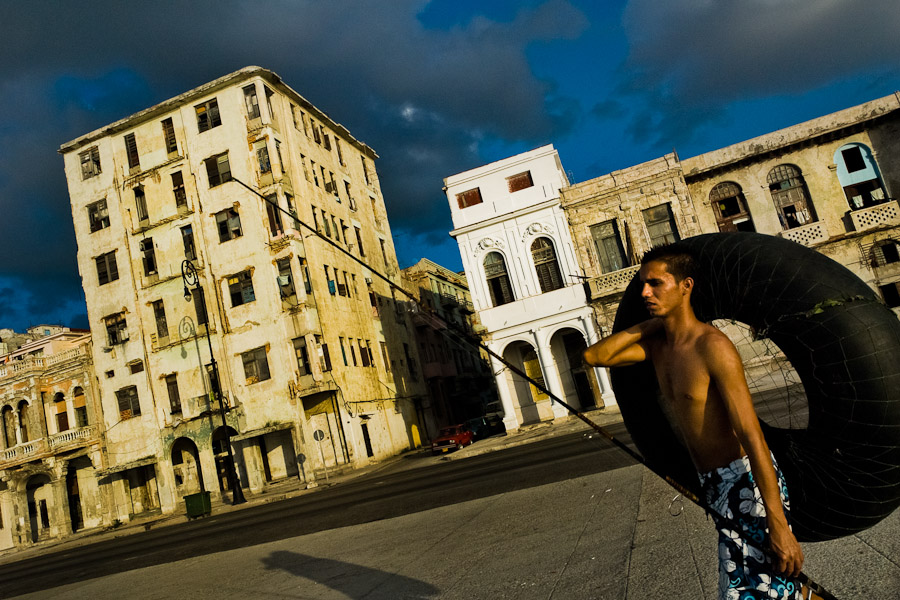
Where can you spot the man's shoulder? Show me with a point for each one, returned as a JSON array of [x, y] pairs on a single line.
[[713, 340]]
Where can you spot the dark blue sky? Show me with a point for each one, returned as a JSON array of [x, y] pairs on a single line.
[[434, 87]]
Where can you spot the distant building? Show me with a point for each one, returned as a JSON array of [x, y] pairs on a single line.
[[526, 283], [316, 356], [51, 436], [830, 184], [458, 375]]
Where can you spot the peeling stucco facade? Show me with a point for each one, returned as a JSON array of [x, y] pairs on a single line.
[[306, 339]]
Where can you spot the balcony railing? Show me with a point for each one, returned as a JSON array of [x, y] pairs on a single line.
[[808, 235], [37, 363], [887, 213], [613, 282], [72, 437], [25, 451]]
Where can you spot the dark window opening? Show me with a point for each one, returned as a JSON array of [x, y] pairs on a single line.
[[98, 215], [187, 238], [546, 265], [240, 287], [791, 198], [256, 365], [129, 406], [178, 190], [90, 163], [132, 152], [228, 223], [853, 159], [174, 396], [469, 198], [106, 268], [217, 169], [148, 253], [116, 329], [608, 245], [891, 294], [169, 136], [497, 279], [207, 115], [661, 225], [519, 182], [730, 206], [251, 102]]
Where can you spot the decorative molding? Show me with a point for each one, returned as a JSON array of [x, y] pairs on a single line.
[[537, 229], [489, 243]]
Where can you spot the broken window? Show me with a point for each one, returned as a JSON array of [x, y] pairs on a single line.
[[337, 231], [116, 329], [608, 245], [174, 396], [278, 155], [546, 265], [302, 356], [884, 253], [343, 351], [187, 238], [326, 357], [106, 268], [178, 190], [337, 145], [350, 200], [251, 101], [90, 162], [80, 406], [62, 416], [469, 198], [269, 93], [276, 227], [217, 169], [136, 366], [325, 140], [262, 157], [365, 169], [148, 254], [519, 182], [383, 251], [240, 287], [228, 222], [891, 294], [497, 279], [859, 177], [207, 115], [98, 215], [132, 152], [791, 198], [661, 225], [305, 170], [159, 316], [199, 300], [332, 288], [352, 352], [362, 251], [140, 203], [730, 206], [364, 355], [256, 365], [317, 133], [327, 224], [169, 136], [286, 281], [129, 406], [315, 218], [312, 166], [384, 357], [304, 269]]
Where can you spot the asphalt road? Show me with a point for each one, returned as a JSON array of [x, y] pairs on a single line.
[[381, 495]]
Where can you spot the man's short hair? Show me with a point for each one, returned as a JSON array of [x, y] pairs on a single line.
[[680, 262]]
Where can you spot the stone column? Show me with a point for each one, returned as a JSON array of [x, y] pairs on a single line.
[[60, 517], [506, 399], [551, 374], [601, 375]]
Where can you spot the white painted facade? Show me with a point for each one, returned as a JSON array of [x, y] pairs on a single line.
[[524, 323]]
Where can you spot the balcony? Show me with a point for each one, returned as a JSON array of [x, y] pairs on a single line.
[[614, 282], [531, 308], [73, 438], [24, 452], [880, 215], [38, 363], [808, 235]]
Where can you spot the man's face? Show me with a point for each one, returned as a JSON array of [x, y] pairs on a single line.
[[660, 292]]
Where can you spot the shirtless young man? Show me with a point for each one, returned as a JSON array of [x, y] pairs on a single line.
[[701, 375]]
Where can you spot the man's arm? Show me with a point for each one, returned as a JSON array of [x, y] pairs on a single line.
[[624, 348], [727, 373]]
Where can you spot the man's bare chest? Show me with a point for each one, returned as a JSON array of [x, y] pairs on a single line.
[[682, 374]]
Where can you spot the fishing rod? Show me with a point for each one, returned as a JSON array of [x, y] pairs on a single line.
[[462, 336]]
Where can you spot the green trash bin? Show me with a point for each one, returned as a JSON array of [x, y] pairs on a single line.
[[197, 505]]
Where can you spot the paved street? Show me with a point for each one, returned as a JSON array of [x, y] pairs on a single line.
[[553, 519]]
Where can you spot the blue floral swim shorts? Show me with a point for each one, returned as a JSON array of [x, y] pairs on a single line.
[[745, 572]]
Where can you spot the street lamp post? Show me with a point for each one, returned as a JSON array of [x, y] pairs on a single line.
[[192, 282]]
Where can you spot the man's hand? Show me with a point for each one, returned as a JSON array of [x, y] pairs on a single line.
[[787, 556]]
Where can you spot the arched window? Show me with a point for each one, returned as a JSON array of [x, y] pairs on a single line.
[[546, 265], [791, 197], [24, 411], [858, 174], [80, 406], [497, 279], [9, 426], [730, 207], [62, 415]]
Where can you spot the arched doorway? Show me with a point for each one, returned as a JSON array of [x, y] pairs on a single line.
[[531, 404], [74, 492], [224, 465], [40, 503], [186, 466], [567, 346]]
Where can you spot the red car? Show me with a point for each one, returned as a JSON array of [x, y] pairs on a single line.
[[453, 437]]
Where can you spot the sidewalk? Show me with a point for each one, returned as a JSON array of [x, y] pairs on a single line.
[[291, 488]]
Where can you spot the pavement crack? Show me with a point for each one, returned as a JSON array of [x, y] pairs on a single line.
[[877, 551]]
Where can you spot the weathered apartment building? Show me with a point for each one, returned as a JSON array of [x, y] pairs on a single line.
[[456, 372], [316, 355], [51, 435], [526, 283], [829, 184]]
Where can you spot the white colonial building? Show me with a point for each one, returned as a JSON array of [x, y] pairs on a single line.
[[526, 284]]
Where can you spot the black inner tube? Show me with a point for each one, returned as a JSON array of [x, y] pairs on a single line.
[[843, 470]]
